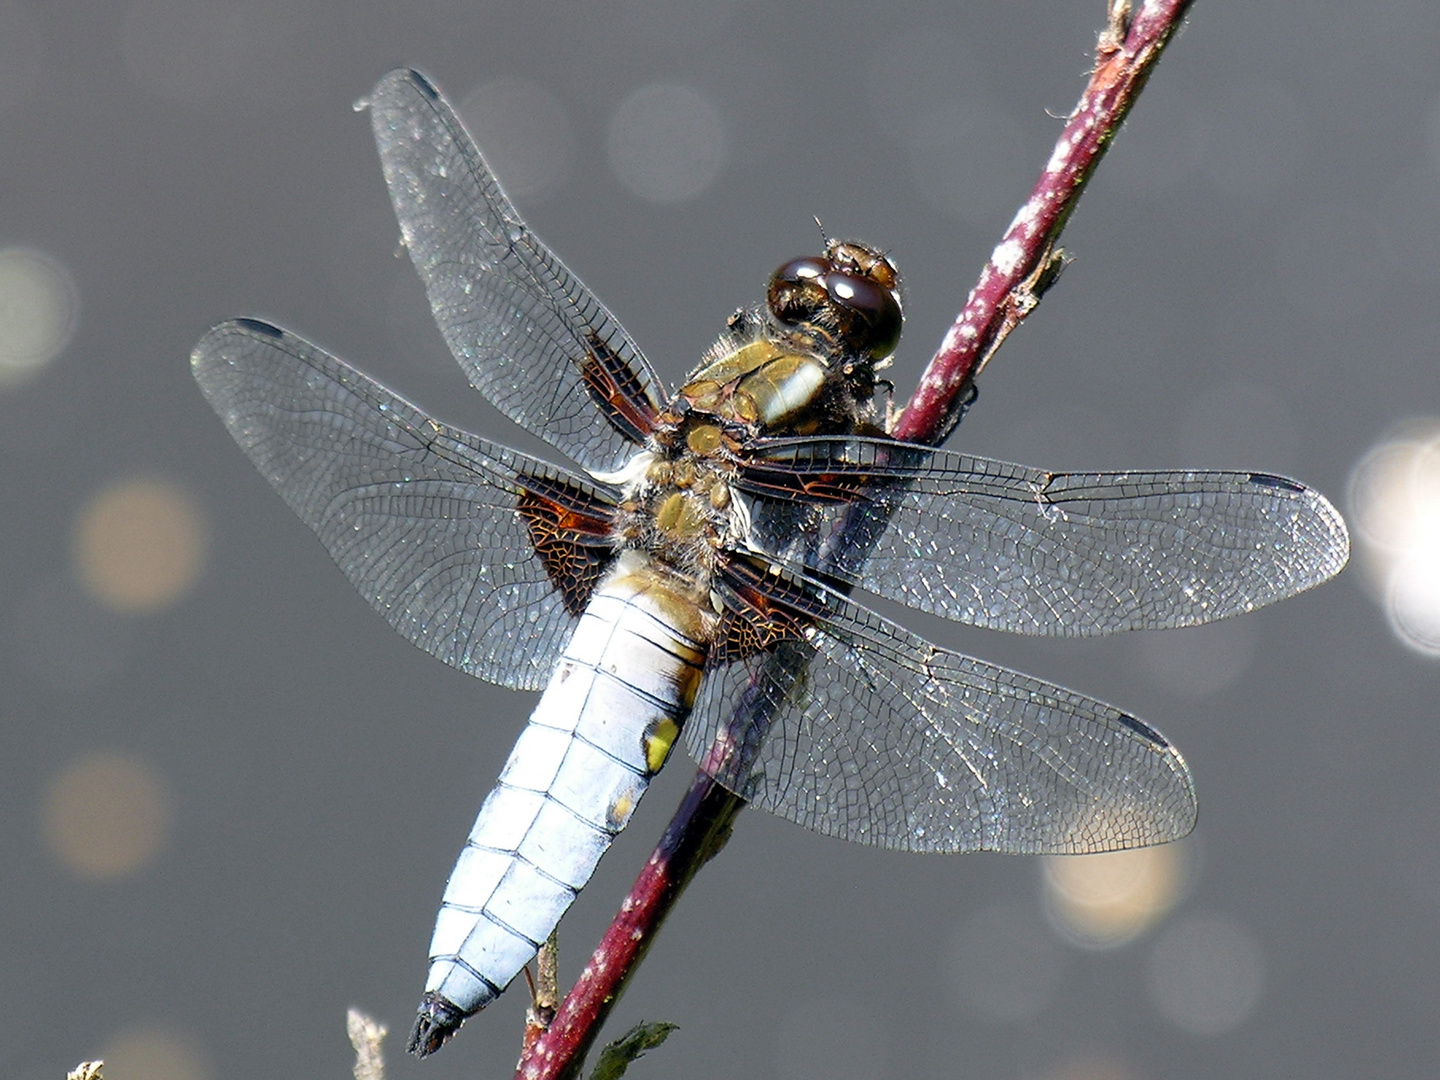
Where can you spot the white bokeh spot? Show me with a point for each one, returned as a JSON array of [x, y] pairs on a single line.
[[39, 308], [667, 143], [1395, 506], [524, 133], [1206, 974]]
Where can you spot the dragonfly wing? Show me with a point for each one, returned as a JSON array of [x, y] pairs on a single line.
[[1014, 548], [835, 718], [480, 555], [528, 333]]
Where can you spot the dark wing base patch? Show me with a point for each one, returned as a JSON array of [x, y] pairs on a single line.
[[617, 391], [570, 532]]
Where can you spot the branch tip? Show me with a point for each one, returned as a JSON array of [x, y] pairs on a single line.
[[366, 1036]]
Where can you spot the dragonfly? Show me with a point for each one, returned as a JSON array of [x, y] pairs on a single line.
[[692, 578]]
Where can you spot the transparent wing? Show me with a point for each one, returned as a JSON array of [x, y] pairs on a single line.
[[437, 529], [529, 335], [858, 729], [1015, 548]]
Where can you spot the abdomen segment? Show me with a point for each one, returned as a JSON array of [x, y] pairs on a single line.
[[603, 727]]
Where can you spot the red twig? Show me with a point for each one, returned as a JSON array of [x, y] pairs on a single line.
[[1027, 260], [1023, 265]]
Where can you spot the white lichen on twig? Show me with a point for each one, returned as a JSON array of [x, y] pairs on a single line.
[[366, 1035]]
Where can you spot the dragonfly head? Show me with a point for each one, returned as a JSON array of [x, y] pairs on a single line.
[[851, 294]]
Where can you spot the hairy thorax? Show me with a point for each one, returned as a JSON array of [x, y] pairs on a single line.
[[803, 365]]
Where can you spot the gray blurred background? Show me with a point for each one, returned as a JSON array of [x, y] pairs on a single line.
[[231, 794]]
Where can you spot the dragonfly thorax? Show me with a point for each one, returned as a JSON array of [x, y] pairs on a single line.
[[805, 364], [679, 506]]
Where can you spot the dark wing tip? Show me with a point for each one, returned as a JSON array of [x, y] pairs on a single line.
[[1327, 521], [1176, 819], [424, 85], [209, 350], [403, 76], [437, 1020], [1333, 533], [1271, 480], [1144, 730], [1339, 536], [256, 326]]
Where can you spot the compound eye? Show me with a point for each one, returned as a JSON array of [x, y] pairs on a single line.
[[797, 290], [807, 268], [870, 312]]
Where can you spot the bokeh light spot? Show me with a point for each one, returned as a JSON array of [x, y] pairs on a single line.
[[106, 816], [1089, 1065], [155, 1052], [1102, 901], [1206, 975], [1412, 602], [1395, 506], [1194, 661], [39, 307], [524, 134], [667, 143], [139, 545]]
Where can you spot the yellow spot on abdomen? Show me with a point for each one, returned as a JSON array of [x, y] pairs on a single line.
[[620, 810], [659, 741]]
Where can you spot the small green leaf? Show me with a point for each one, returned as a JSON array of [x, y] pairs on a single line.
[[616, 1057]]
